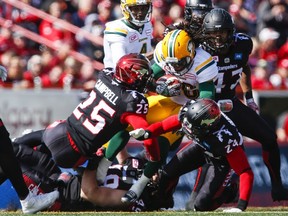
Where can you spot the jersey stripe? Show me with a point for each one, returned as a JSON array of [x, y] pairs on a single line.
[[118, 31], [204, 65]]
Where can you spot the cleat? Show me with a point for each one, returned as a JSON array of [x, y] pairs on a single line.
[[129, 197], [34, 203], [279, 194]]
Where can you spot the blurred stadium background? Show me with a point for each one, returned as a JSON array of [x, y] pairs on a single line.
[[30, 105]]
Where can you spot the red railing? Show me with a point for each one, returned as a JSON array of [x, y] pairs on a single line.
[[41, 40]]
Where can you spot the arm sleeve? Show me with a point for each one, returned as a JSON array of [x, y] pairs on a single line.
[[207, 89], [239, 163], [118, 49], [157, 71], [245, 82], [169, 124], [151, 145]]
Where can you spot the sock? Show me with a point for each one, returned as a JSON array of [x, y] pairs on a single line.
[[139, 186], [116, 144], [102, 169]]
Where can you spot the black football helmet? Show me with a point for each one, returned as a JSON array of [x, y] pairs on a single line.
[[218, 21], [134, 71], [195, 11], [199, 117]]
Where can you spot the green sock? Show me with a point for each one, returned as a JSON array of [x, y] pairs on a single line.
[[116, 144]]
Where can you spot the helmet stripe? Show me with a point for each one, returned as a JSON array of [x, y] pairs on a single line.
[[172, 42]]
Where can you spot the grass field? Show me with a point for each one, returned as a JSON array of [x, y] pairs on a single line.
[[250, 211]]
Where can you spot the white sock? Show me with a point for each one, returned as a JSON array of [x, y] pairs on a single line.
[[102, 169], [139, 186]]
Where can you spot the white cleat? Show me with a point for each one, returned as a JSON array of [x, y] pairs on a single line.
[[34, 203], [232, 210]]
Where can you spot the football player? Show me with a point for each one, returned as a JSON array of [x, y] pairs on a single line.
[[231, 52], [130, 34], [216, 140], [115, 102], [195, 11], [195, 70], [10, 169], [42, 175]]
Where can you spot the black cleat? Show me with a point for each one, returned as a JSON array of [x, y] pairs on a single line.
[[279, 194]]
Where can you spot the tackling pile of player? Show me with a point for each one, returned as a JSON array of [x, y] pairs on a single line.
[[189, 90]]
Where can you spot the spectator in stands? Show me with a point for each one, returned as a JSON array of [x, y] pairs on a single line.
[[6, 39], [273, 14], [282, 127], [34, 71], [21, 46], [267, 48], [159, 20], [54, 77], [71, 73], [87, 47], [279, 79], [175, 13], [27, 20], [260, 76], [54, 31], [6, 57], [244, 15], [84, 8], [15, 69], [283, 52], [88, 75]]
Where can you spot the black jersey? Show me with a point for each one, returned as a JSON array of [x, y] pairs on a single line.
[[99, 117], [222, 140], [230, 66]]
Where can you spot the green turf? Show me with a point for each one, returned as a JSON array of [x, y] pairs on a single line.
[[250, 211]]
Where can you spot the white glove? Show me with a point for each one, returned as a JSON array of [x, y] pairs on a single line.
[[3, 73], [139, 134], [251, 103], [232, 210]]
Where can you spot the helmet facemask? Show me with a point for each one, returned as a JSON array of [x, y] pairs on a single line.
[[200, 117], [218, 29], [179, 67], [178, 52], [133, 71], [137, 12], [218, 41]]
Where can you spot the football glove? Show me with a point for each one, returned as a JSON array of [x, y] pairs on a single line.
[[140, 134], [3, 73], [251, 103], [168, 87]]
